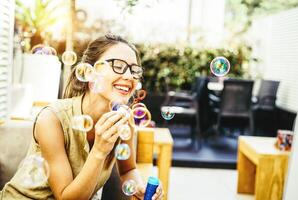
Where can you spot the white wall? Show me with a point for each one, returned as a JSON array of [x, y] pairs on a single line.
[[276, 45]]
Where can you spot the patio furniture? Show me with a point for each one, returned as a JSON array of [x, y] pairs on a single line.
[[261, 168], [267, 95], [264, 109], [163, 148], [235, 102], [190, 108]]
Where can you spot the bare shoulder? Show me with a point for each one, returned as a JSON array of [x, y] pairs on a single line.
[[48, 127]]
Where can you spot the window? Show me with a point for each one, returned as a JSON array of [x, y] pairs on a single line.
[[6, 50]]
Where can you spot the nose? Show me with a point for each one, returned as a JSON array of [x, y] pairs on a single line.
[[128, 75]]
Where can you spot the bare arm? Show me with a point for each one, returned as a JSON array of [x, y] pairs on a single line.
[[127, 168], [49, 135]]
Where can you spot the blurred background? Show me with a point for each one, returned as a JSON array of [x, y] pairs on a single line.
[[177, 41]]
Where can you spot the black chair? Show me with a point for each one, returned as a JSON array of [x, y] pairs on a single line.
[[267, 95], [264, 109], [235, 102], [189, 108]]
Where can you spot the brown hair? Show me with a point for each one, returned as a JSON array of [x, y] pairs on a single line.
[[93, 52]]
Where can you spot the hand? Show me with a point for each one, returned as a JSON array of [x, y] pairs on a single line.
[[106, 131], [141, 192]]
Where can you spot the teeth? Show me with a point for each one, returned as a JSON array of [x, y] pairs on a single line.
[[122, 88]]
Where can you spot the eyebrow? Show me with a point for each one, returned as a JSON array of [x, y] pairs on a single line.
[[123, 61]]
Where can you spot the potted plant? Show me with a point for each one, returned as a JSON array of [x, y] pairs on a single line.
[[39, 72]]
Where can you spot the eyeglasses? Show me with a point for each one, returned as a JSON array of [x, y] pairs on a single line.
[[120, 66]]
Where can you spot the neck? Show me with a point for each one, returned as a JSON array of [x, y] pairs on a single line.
[[94, 105]]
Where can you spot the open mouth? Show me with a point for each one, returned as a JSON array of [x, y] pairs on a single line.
[[122, 89]]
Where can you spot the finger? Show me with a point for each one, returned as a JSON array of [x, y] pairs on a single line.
[[110, 122], [114, 129], [104, 117], [113, 138], [154, 197], [159, 189], [141, 189]]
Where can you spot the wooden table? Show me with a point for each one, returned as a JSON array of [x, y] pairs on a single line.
[[261, 168], [163, 148]]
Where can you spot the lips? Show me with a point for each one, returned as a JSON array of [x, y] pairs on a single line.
[[122, 88]]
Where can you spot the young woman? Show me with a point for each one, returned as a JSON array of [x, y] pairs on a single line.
[[79, 163]]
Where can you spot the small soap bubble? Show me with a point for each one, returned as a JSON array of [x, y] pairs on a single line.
[[139, 86], [139, 112], [220, 66], [84, 72], [122, 108], [82, 123], [53, 51], [69, 58], [99, 65], [35, 171], [129, 187], [125, 110], [142, 116], [114, 105], [167, 113], [122, 151], [138, 105], [124, 132], [37, 49], [43, 50]]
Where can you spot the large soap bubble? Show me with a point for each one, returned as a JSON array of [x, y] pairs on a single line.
[[122, 151], [35, 171], [220, 66], [129, 187]]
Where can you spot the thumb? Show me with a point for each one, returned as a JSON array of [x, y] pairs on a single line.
[[142, 188]]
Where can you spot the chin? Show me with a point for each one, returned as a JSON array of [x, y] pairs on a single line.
[[120, 99]]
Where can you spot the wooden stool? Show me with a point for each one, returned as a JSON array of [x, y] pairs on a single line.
[[261, 168]]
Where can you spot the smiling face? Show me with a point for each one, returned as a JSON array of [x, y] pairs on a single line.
[[118, 87]]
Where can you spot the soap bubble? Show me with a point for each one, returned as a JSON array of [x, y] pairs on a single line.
[[37, 49], [99, 65], [43, 50], [84, 72], [35, 171], [69, 58], [167, 113], [220, 66], [139, 112], [129, 187], [122, 151], [82, 123], [139, 86], [138, 105], [122, 108], [125, 132]]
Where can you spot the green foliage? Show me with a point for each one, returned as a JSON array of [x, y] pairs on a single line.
[[40, 16], [33, 21], [241, 13], [180, 65]]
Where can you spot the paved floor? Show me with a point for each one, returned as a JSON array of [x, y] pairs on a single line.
[[204, 184]]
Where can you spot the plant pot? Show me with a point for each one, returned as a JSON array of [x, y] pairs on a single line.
[[42, 72]]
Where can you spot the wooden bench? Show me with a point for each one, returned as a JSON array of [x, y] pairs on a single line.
[[162, 148], [261, 168]]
